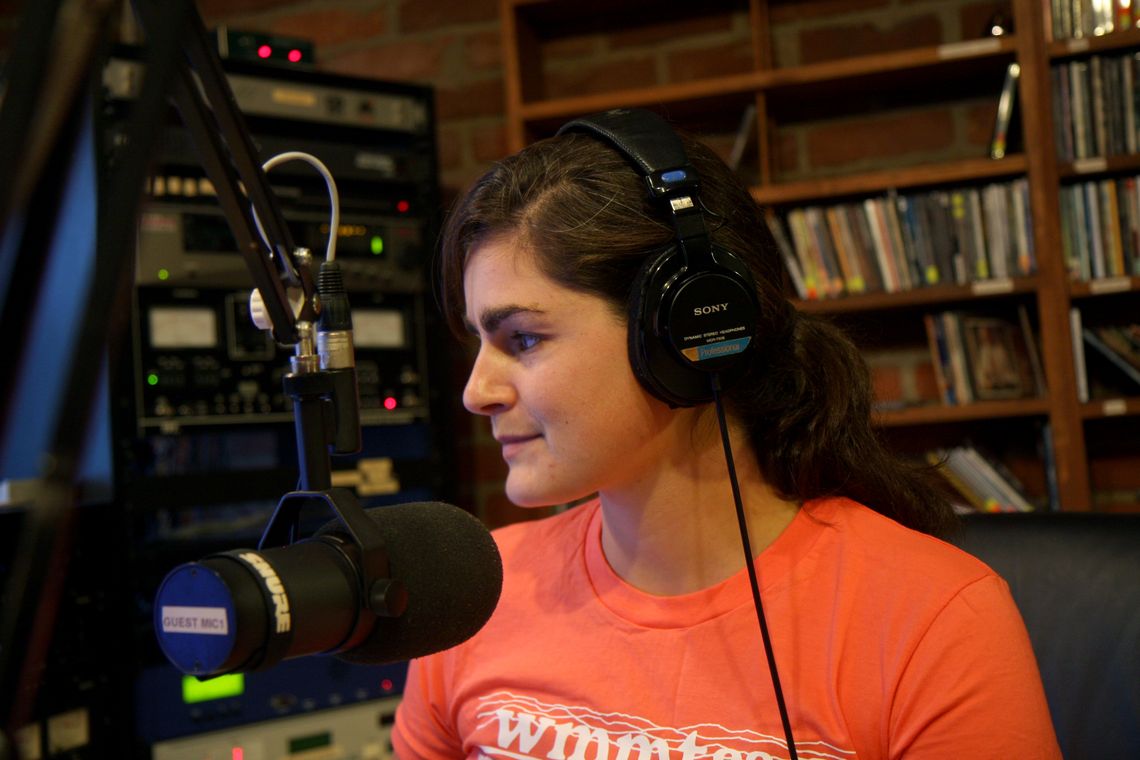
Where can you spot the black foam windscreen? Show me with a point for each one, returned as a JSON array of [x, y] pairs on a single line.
[[451, 567]]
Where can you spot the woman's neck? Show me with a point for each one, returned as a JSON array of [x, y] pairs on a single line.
[[677, 531]]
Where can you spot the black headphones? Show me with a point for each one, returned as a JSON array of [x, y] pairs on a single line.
[[693, 306]]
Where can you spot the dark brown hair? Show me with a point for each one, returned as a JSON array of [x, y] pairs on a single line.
[[805, 399]]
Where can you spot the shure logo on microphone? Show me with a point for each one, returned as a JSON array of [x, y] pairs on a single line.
[[710, 309], [276, 590]]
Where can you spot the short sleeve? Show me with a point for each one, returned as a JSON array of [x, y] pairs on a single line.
[[423, 728], [972, 687]]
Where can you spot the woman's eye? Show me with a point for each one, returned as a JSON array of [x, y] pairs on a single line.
[[524, 341]]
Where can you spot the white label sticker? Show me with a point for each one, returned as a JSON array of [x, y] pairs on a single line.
[[989, 287], [1110, 285], [1114, 406], [1086, 165], [208, 620], [969, 47]]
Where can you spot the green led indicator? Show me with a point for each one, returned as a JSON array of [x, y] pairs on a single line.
[[152, 378], [377, 245], [164, 274], [194, 691]]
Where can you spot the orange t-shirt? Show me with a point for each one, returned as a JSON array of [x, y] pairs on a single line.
[[889, 644]]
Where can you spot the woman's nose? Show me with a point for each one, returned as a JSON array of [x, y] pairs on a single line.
[[487, 390]]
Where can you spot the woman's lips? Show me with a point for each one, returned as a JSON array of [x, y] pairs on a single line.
[[513, 443]]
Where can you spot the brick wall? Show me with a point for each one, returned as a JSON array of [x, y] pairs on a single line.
[[454, 46], [451, 45]]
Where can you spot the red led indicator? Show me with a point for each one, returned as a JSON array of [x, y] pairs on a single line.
[[390, 403], [237, 753], [264, 51], [403, 206], [387, 684], [294, 56]]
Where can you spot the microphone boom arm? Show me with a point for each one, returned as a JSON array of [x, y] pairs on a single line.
[[226, 151], [325, 404]]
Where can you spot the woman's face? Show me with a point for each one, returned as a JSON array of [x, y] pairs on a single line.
[[553, 375]]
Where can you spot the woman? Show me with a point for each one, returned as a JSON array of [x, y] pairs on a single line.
[[626, 626]]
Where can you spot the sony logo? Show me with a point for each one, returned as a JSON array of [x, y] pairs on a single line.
[[276, 589], [698, 311]]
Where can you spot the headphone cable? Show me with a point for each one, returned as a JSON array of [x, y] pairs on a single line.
[[749, 563]]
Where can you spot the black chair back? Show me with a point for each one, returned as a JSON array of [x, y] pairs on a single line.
[[1076, 579]]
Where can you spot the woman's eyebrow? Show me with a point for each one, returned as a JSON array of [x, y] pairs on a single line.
[[490, 319]]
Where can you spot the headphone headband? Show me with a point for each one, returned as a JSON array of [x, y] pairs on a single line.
[[644, 138], [650, 144]]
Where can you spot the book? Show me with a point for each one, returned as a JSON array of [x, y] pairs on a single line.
[[1122, 11], [920, 218], [1081, 241], [1068, 248], [963, 266], [1132, 62], [944, 243], [959, 370], [908, 231], [996, 225], [787, 253], [833, 283], [1062, 112], [860, 227], [744, 134], [1007, 101], [974, 500], [898, 244], [1080, 110], [884, 252], [986, 484], [1022, 226], [967, 481], [1061, 15], [845, 252], [1004, 488], [997, 358], [940, 359], [808, 257], [1099, 131], [1117, 338], [1124, 83], [975, 225], [1130, 222], [1093, 222], [1106, 351], [1075, 333], [1114, 245]]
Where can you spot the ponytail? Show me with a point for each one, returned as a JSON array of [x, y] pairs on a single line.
[[808, 410]]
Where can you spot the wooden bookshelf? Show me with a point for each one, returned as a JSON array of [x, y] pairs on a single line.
[[1111, 407], [1104, 286], [855, 84], [974, 170], [1107, 43], [980, 410], [935, 296]]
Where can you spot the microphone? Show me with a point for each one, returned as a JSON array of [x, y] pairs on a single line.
[[337, 359], [248, 609]]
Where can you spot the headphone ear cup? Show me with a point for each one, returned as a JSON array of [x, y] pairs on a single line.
[[685, 324], [657, 372]]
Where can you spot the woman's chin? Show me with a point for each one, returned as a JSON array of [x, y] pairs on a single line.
[[530, 495]]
